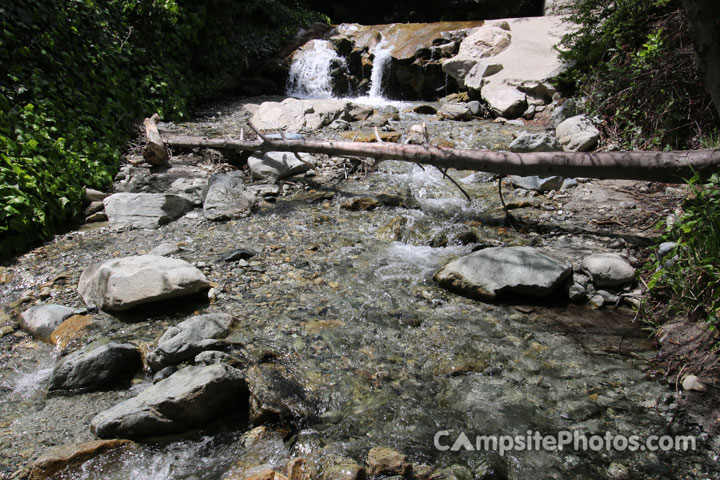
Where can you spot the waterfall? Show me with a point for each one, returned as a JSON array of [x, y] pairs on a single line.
[[380, 62], [310, 72]]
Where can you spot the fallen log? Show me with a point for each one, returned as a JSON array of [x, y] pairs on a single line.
[[155, 152], [667, 167]]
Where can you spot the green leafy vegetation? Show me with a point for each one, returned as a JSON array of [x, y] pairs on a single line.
[[686, 281], [635, 65], [78, 74]]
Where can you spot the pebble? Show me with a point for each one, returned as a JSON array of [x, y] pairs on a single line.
[[596, 301], [691, 382]]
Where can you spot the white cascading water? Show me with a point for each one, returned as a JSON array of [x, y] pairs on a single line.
[[310, 71], [380, 62]]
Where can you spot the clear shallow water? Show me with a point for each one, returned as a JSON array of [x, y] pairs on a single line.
[[391, 358]]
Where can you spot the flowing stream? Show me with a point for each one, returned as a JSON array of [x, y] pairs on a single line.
[[348, 301]]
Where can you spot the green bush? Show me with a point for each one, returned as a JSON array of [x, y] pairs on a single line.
[[687, 280], [78, 74], [634, 63]]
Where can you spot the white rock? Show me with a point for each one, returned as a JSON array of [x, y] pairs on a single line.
[[691, 382], [505, 102], [274, 166], [145, 210], [227, 198], [535, 142], [124, 283], [41, 320], [577, 134]]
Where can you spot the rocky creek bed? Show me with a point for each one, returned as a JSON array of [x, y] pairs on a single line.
[[333, 352]]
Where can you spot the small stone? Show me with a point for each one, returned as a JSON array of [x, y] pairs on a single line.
[[666, 247], [92, 195], [577, 293], [165, 249], [596, 301], [361, 203], [386, 461], [94, 207], [627, 205], [608, 269], [96, 217], [6, 330], [608, 298], [691, 382], [238, 254], [41, 320]]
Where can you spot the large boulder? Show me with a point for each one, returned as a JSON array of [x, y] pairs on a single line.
[[145, 210], [190, 337], [295, 115], [276, 395], [226, 198], [125, 283], [608, 269], [577, 134], [188, 399], [456, 111], [486, 41], [487, 273], [92, 369], [274, 166], [41, 321]]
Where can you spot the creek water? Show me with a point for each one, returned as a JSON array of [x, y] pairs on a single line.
[[347, 300]]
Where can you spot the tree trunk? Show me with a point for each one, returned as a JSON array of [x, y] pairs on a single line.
[[704, 19], [668, 167]]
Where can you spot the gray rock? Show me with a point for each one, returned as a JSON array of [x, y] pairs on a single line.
[[92, 195], [535, 142], [539, 184], [506, 102], [474, 107], [276, 396], [188, 338], [188, 399], [596, 301], [456, 111], [94, 207], [563, 112], [577, 134], [165, 249], [124, 283], [475, 79], [577, 293], [608, 269], [226, 198], [666, 247], [569, 183], [274, 166], [92, 369], [691, 382], [41, 320], [608, 298], [484, 42], [96, 217], [145, 210], [164, 373], [294, 115], [453, 472], [212, 357], [541, 90], [487, 273]]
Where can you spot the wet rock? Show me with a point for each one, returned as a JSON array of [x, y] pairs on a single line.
[[41, 320], [70, 330], [361, 203], [211, 357], [145, 210], [456, 111], [386, 461], [92, 369], [577, 134], [487, 273], [63, 459], [454, 472], [274, 166], [506, 102], [238, 254], [125, 283], [535, 142], [608, 269], [276, 396], [227, 198], [259, 474], [355, 112], [190, 398], [492, 467], [342, 468], [190, 337], [536, 183]]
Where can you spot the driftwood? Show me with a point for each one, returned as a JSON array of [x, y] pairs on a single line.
[[155, 152], [667, 167]]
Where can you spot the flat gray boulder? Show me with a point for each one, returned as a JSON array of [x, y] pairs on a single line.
[[535, 142], [295, 115], [188, 338], [227, 198], [456, 111], [577, 134], [145, 210], [506, 102], [274, 166], [188, 399], [540, 184], [41, 320], [487, 273], [608, 269], [92, 369], [125, 283]]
